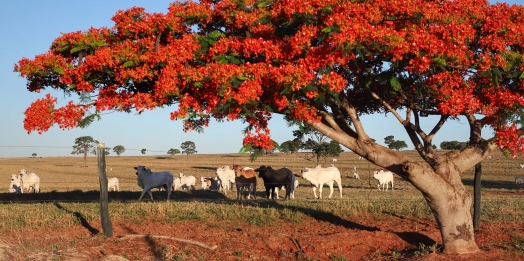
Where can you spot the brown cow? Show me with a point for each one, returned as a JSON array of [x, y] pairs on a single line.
[[245, 178]]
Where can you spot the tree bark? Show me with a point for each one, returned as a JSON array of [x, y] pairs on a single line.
[[451, 205]]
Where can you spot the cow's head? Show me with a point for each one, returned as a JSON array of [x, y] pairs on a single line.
[[139, 169], [22, 171], [14, 177]]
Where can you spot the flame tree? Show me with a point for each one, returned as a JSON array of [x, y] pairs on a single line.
[[322, 62]]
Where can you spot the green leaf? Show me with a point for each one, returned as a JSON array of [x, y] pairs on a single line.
[[128, 64], [521, 76], [88, 120], [242, 78], [264, 4], [395, 83], [495, 75], [58, 70], [76, 49], [72, 86]]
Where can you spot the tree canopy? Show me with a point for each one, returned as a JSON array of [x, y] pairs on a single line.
[[119, 149], [173, 152], [313, 143], [84, 145], [395, 144], [188, 147], [322, 62]]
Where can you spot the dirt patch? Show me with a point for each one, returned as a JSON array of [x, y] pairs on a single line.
[[391, 237]]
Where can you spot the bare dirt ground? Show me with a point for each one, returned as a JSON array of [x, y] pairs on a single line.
[[312, 239]]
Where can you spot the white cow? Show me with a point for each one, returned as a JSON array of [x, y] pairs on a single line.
[[355, 174], [187, 181], [521, 166], [319, 176], [177, 184], [226, 174], [29, 182], [205, 182], [112, 183], [15, 187], [148, 180], [519, 180], [292, 195], [384, 178], [334, 160]]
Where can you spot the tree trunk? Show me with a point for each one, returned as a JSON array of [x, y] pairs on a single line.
[[451, 205]]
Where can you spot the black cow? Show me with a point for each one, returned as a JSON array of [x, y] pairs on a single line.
[[276, 178]]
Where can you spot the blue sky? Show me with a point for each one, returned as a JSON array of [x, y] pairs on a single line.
[[29, 27]]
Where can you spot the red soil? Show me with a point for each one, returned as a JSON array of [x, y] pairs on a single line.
[[389, 238]]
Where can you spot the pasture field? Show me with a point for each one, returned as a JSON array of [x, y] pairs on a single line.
[[70, 193]]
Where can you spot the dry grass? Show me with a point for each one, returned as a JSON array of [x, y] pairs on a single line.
[[71, 192]]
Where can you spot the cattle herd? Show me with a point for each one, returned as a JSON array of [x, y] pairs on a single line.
[[244, 178]]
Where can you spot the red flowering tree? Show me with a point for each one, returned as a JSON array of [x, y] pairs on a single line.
[[323, 62]]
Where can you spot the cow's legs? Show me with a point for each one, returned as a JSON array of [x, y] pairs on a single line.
[[330, 189], [315, 191], [320, 186]]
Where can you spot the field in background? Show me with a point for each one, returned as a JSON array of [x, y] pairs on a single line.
[[67, 173]]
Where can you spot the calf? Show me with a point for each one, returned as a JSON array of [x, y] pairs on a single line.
[[15, 186], [276, 178], [112, 183], [205, 182], [245, 179], [29, 182], [384, 177], [187, 182], [148, 180], [519, 180], [319, 176], [295, 186]]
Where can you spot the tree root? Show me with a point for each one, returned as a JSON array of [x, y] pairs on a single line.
[[211, 248]]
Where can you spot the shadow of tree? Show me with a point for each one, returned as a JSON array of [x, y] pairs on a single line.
[[80, 218]]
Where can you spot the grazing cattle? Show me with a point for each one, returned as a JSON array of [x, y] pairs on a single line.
[[355, 174], [521, 166], [384, 178], [360, 158], [215, 184], [112, 183], [187, 182], [488, 157], [276, 178], [295, 186], [15, 186], [148, 180], [334, 160], [319, 176], [29, 182], [245, 179], [226, 175], [519, 180], [205, 182], [177, 184]]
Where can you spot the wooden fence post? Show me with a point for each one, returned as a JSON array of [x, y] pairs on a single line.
[[104, 208]]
